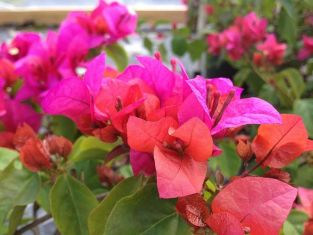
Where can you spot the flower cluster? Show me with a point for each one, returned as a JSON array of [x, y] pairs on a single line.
[[31, 64], [245, 34], [168, 120]]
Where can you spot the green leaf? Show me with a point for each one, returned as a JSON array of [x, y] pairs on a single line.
[[287, 27], [297, 219], [289, 229], [118, 54], [179, 45], [7, 156], [98, 217], [304, 108], [241, 76], [89, 148], [289, 6], [64, 126], [18, 187], [43, 197], [182, 32], [196, 48], [71, 203], [289, 85], [162, 49], [145, 213], [148, 44], [15, 219], [303, 177], [228, 162], [269, 94]]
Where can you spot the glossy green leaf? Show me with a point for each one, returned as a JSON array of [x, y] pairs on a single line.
[[297, 219], [145, 213], [304, 108], [7, 156], [303, 177], [18, 187], [241, 76], [89, 148], [43, 197], [162, 49], [99, 216], [64, 126], [228, 162], [289, 229], [71, 203], [148, 44], [179, 45], [118, 54], [287, 27], [290, 85], [15, 219], [269, 94], [196, 48]]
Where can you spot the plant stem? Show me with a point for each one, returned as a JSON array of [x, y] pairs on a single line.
[[33, 224]]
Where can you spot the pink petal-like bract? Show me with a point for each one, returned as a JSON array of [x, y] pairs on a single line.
[[178, 176], [247, 111], [142, 163], [261, 204]]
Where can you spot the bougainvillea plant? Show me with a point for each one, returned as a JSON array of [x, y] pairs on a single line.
[[146, 149]]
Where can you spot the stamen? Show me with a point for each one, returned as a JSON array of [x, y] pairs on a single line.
[[216, 99], [174, 65], [209, 95], [119, 104], [158, 56], [226, 103]]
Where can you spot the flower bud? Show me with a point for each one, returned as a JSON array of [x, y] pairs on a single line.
[[243, 148], [35, 156], [23, 133], [58, 145], [107, 176], [278, 174]]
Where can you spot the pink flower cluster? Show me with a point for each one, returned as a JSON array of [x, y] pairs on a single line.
[[168, 120], [243, 35], [30, 64], [307, 49]]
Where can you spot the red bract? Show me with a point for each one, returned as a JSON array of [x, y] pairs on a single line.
[[276, 145], [6, 140], [7, 72], [224, 223], [194, 209], [58, 145], [259, 204], [180, 154], [36, 154]]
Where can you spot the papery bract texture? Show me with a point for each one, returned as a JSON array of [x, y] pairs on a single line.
[[276, 145], [194, 209], [224, 223], [260, 204], [178, 176]]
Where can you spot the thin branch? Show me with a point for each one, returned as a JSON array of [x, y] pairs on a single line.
[[33, 224]]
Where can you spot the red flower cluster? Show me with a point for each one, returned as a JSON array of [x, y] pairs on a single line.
[[39, 155]]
